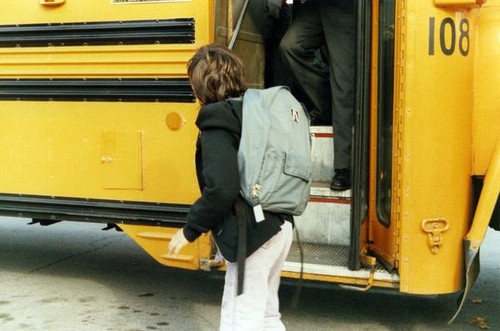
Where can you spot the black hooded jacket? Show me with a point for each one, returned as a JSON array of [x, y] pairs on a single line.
[[218, 176]]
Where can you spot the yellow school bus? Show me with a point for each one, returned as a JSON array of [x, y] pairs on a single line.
[[97, 125]]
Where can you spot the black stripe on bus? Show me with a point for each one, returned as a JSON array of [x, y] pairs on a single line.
[[92, 210], [171, 31], [127, 90]]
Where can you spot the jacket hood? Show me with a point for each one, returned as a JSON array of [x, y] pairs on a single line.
[[224, 115]]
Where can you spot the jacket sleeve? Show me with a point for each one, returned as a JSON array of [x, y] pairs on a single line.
[[221, 177]]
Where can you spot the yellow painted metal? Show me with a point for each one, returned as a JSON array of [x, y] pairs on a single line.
[[372, 263], [487, 201], [486, 119], [52, 3], [121, 160], [28, 11], [475, 236], [433, 162], [383, 239], [50, 146], [154, 240], [58, 148], [459, 3], [104, 150], [434, 227], [102, 61], [175, 121], [486, 116], [125, 61]]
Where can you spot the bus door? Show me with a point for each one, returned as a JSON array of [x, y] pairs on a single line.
[[372, 233], [382, 231], [360, 155], [422, 105]]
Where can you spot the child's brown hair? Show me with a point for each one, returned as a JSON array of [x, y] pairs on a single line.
[[215, 74]]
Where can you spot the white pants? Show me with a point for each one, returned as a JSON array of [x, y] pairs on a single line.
[[258, 307]]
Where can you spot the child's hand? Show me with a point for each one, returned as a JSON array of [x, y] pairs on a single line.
[[177, 242]]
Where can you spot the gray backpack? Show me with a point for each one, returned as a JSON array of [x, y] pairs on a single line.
[[274, 155]]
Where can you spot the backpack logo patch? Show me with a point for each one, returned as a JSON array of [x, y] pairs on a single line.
[[295, 115]]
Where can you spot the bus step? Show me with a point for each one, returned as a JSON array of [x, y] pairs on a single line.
[[321, 189]]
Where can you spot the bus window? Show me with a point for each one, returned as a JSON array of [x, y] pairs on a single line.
[[385, 107]]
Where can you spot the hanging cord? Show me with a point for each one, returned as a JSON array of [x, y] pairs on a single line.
[[242, 243], [298, 290]]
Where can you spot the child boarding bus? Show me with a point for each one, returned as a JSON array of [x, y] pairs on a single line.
[[97, 125]]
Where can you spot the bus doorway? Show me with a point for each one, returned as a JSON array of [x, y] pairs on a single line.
[[332, 242]]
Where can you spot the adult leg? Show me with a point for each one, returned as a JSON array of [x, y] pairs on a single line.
[[299, 50], [338, 19]]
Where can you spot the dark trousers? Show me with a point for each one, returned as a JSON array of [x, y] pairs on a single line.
[[330, 86]]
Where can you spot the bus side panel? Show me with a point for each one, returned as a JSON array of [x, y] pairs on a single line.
[[98, 134], [97, 115], [486, 124], [155, 240], [27, 11], [435, 151], [98, 150]]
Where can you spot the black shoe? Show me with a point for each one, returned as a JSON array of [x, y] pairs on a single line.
[[341, 181], [319, 119]]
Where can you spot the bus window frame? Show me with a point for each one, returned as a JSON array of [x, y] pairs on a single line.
[[385, 111]]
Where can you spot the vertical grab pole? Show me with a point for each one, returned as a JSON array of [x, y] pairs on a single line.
[[238, 25]]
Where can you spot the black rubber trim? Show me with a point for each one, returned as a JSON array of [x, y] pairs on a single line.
[[137, 90], [360, 152], [171, 31], [93, 210]]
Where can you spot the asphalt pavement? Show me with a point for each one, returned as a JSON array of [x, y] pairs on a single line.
[[73, 276]]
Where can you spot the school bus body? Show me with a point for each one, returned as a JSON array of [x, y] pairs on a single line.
[[99, 129], [436, 105], [431, 132], [98, 125], [441, 95]]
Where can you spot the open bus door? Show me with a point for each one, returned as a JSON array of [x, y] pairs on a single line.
[[381, 232], [420, 169], [360, 179], [373, 243], [371, 233]]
